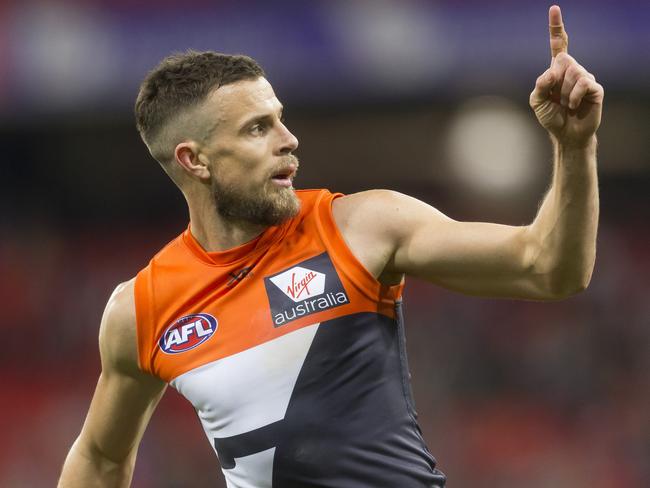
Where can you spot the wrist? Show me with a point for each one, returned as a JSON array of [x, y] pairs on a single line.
[[575, 145]]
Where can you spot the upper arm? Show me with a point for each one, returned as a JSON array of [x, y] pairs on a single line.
[[416, 239], [125, 397]]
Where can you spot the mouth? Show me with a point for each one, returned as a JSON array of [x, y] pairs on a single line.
[[284, 176]]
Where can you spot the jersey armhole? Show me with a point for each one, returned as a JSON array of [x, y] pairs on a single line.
[[335, 243], [143, 327]]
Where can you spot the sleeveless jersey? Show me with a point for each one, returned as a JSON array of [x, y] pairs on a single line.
[[292, 355]]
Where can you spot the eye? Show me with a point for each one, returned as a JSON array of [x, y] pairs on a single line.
[[258, 129]]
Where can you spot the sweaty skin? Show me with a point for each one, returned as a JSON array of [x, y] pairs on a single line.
[[390, 233]]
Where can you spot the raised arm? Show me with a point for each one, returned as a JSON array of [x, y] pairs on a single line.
[[551, 258], [568, 101], [104, 453]]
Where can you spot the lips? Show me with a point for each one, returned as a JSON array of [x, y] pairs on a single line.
[[286, 172], [283, 177], [283, 174]]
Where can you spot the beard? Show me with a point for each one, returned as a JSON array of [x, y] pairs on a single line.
[[266, 205]]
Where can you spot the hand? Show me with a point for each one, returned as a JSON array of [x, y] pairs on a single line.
[[567, 100]]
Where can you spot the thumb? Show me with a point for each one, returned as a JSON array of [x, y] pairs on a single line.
[[543, 88]]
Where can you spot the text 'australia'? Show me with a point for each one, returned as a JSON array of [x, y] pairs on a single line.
[[308, 307]]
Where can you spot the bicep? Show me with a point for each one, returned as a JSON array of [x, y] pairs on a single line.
[[119, 413], [475, 258], [125, 397], [470, 257]]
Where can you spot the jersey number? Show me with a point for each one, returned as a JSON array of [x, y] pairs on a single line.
[[241, 445]]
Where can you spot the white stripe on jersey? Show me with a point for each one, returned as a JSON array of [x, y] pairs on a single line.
[[246, 391]]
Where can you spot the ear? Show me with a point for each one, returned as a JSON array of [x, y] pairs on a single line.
[[191, 161]]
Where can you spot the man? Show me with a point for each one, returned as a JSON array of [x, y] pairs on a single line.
[[277, 313]]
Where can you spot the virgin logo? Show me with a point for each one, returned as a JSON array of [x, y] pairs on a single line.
[[299, 283], [297, 287]]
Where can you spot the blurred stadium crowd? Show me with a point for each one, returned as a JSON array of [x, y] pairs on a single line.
[[428, 98]]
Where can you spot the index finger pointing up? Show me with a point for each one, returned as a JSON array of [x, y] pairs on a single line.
[[558, 36]]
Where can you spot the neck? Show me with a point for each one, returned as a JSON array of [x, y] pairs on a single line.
[[215, 233]]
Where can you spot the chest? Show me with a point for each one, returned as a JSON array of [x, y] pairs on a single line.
[[226, 312]]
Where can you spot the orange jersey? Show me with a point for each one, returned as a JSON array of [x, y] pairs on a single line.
[[287, 347]]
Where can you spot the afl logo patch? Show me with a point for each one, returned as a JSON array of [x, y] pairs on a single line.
[[187, 333]]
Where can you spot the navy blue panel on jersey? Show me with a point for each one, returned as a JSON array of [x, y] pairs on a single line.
[[350, 421]]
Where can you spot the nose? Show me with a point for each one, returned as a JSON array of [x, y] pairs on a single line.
[[288, 142]]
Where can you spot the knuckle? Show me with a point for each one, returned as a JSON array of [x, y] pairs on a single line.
[[570, 74], [568, 85], [533, 95], [574, 72], [584, 71], [544, 79], [563, 58]]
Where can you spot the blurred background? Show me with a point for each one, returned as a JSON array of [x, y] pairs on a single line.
[[425, 97]]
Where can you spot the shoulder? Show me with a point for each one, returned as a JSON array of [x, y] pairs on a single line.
[[380, 211], [117, 333], [366, 202], [377, 224], [375, 214], [368, 222], [384, 209]]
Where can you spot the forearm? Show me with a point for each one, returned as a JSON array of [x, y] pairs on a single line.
[[563, 235], [85, 468]]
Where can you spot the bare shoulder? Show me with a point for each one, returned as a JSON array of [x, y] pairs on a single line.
[[371, 225], [379, 226], [361, 209], [117, 333], [364, 201], [381, 212]]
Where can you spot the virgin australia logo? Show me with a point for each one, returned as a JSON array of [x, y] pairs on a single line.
[[299, 283], [311, 286]]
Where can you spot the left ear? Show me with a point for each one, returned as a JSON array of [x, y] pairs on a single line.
[[191, 161]]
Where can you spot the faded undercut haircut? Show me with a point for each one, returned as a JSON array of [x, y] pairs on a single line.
[[178, 84]]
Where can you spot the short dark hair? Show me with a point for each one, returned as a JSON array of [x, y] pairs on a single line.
[[182, 81]]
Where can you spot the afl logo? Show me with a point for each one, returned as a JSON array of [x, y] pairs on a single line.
[[187, 333]]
